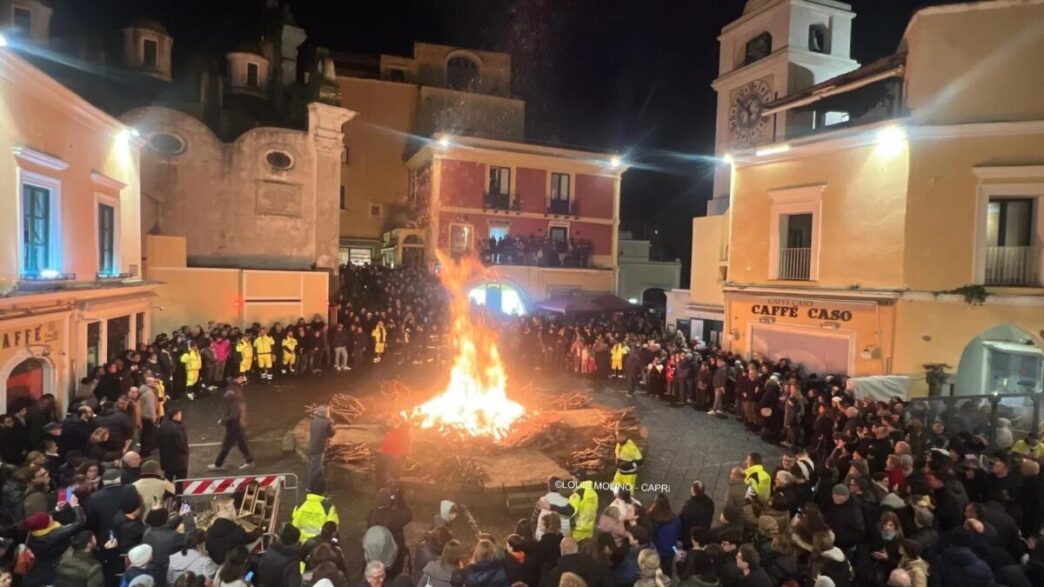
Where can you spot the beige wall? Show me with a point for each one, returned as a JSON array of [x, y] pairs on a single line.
[[938, 330], [77, 140], [863, 215], [232, 206], [377, 141], [465, 113], [538, 283], [429, 67], [943, 203], [977, 64], [709, 247]]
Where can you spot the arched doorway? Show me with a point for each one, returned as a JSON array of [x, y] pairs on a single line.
[[656, 299], [1003, 360], [29, 378], [498, 296]]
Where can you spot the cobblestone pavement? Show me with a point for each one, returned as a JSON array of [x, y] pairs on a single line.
[[683, 444]]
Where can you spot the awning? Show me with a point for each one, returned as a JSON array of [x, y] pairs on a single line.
[[579, 303], [1013, 347]]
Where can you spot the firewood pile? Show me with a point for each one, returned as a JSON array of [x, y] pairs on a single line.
[[537, 431], [354, 453], [576, 400], [466, 470], [344, 409], [596, 458]]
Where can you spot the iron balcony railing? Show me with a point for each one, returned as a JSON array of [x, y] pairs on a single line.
[[795, 264], [496, 201], [1013, 265]]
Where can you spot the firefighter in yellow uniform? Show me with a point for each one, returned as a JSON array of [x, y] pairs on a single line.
[[315, 511], [380, 337], [289, 352], [628, 457], [617, 358], [264, 345], [582, 509], [246, 354], [193, 363]]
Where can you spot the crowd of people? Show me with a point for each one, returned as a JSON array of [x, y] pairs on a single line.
[[537, 249], [867, 493]]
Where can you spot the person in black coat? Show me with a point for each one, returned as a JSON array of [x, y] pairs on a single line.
[[76, 430], [225, 534], [698, 511], [280, 566], [590, 570], [48, 540], [173, 446], [845, 518]]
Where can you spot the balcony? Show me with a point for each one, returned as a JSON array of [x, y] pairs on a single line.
[[1013, 265], [563, 207], [497, 201], [795, 264]]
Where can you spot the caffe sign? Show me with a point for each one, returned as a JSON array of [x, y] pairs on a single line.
[[22, 336], [798, 308]]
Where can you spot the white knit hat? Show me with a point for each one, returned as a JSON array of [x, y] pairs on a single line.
[[140, 555], [823, 581]]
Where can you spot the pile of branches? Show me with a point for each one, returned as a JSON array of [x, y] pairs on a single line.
[[355, 453], [539, 431], [466, 470], [344, 409], [602, 454], [575, 400]]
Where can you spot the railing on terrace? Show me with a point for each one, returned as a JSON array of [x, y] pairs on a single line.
[[795, 263], [1013, 265]]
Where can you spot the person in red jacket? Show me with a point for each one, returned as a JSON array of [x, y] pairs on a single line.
[[396, 446]]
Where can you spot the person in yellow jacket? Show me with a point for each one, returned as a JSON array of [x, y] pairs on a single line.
[[759, 482], [315, 511], [628, 457], [617, 358], [289, 351], [193, 363], [582, 508], [245, 348], [380, 338], [264, 345]]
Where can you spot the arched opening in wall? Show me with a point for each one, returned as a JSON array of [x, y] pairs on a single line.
[[462, 73], [655, 298], [1005, 362], [27, 380], [500, 297]]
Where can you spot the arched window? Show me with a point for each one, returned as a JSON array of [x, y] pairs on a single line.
[[759, 47], [462, 73]]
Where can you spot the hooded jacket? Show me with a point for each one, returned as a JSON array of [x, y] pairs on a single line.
[[958, 565], [224, 535], [833, 564], [280, 566], [79, 569], [379, 545], [489, 573], [192, 560]]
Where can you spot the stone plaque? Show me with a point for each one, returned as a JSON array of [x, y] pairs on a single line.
[[276, 198]]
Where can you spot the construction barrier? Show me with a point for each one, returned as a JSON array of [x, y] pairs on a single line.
[[269, 498]]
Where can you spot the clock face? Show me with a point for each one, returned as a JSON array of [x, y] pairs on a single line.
[[745, 119]]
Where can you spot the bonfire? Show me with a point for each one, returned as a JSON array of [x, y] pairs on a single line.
[[475, 402]]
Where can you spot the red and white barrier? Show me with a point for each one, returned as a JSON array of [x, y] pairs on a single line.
[[226, 485]]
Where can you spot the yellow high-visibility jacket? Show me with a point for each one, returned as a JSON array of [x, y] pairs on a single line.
[[310, 516], [193, 363], [263, 344], [585, 510]]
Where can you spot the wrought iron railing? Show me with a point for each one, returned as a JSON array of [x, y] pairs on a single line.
[[1013, 265], [795, 263]]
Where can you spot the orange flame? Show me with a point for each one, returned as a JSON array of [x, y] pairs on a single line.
[[475, 401]]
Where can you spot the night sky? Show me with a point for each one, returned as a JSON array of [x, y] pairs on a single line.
[[626, 75]]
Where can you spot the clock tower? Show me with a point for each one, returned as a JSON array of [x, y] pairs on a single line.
[[777, 47]]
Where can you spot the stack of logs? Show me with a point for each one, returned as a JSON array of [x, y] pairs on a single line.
[[538, 431], [576, 400], [355, 453], [460, 469], [344, 409], [596, 458]]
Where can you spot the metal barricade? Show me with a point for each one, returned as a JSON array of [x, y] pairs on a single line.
[[978, 414], [198, 491]]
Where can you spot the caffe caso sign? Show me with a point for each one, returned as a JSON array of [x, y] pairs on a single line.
[[800, 309], [16, 338]]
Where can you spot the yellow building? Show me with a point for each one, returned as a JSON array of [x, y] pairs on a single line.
[[400, 102], [902, 223], [70, 291]]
